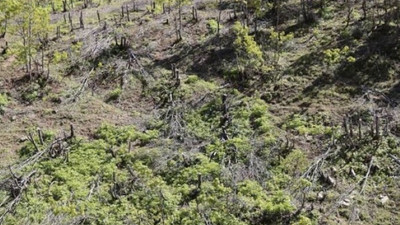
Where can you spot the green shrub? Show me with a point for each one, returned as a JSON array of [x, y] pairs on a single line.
[[191, 79], [3, 102], [114, 94], [212, 26], [301, 125], [279, 39], [295, 163], [248, 51], [337, 55], [258, 202], [59, 56], [121, 135], [327, 12], [303, 221], [76, 47], [31, 94]]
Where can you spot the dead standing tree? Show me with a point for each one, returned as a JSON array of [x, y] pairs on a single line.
[[177, 30], [194, 14], [378, 125], [58, 33], [81, 23], [98, 16], [70, 22], [127, 13], [172, 106], [64, 3]]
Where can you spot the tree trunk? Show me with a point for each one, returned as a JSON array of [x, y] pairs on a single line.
[[98, 16], [349, 12], [82, 25], [277, 11], [359, 129], [64, 2], [70, 22], [364, 8], [30, 48], [127, 13], [218, 22]]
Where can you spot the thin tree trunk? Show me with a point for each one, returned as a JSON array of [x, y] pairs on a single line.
[[364, 8], [70, 21], [98, 16], [127, 13], [82, 25], [30, 47]]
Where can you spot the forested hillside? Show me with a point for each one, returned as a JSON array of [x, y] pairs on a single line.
[[215, 112]]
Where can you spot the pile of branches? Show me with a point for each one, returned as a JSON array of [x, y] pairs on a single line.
[[16, 184], [172, 105]]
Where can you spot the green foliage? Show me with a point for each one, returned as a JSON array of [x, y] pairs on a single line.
[[120, 135], [249, 176], [303, 221], [159, 5], [311, 127], [295, 163], [255, 6], [126, 187], [30, 96], [193, 86], [336, 55], [212, 26], [351, 59], [247, 50], [32, 22], [327, 13], [279, 39], [76, 47], [191, 79], [114, 94], [249, 117], [3, 102], [59, 56], [8, 9], [272, 206]]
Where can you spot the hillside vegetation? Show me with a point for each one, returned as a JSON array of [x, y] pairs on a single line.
[[199, 112]]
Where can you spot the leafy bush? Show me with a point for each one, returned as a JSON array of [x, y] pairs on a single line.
[[248, 51], [33, 92], [301, 125], [271, 206], [114, 94], [212, 26], [59, 56], [191, 79], [119, 135], [3, 102], [279, 40], [336, 55], [76, 47], [295, 163], [103, 182], [193, 86]]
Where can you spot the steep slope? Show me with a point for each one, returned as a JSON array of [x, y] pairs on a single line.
[[184, 115]]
